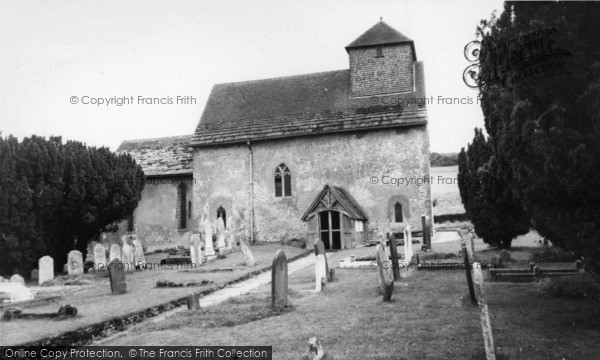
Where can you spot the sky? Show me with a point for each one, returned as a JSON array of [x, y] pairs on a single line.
[[59, 57]]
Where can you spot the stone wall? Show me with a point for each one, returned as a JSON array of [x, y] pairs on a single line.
[[346, 160], [156, 219]]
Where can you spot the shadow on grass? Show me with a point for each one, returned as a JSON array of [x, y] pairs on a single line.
[[235, 311]]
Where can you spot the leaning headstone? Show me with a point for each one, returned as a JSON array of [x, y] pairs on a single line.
[[320, 250], [139, 259], [99, 257], [193, 301], [75, 262], [248, 257], [195, 251], [408, 247], [320, 272], [115, 253], [279, 281], [386, 277], [468, 272], [315, 349], [394, 255], [46, 269], [116, 274], [67, 310], [127, 257], [486, 327]]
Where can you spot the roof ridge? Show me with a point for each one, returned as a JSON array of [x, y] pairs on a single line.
[[158, 138], [283, 77]]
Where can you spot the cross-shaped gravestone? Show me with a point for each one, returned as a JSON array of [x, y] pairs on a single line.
[[117, 277], [46, 269], [279, 281], [75, 263]]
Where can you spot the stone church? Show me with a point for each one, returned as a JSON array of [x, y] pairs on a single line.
[[339, 155]]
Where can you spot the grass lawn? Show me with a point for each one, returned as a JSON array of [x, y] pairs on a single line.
[[426, 320], [95, 302]]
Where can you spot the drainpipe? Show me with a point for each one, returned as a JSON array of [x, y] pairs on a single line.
[[251, 193]]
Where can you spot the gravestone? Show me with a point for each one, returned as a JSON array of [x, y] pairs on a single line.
[[394, 255], [320, 250], [115, 253], [248, 257], [209, 250], [408, 247], [116, 273], [15, 291], [46, 269], [75, 263], [426, 232], [472, 243], [386, 277], [35, 273], [127, 257], [279, 281], [139, 259], [16, 278], [100, 257], [320, 272], [195, 251], [221, 234], [2, 280], [504, 256], [193, 301]]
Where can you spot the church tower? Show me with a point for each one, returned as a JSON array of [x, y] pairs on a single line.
[[381, 62]]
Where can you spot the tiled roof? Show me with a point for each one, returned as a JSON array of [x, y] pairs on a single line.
[[161, 156], [340, 195], [297, 106], [379, 34]]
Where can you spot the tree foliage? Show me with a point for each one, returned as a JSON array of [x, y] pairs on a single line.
[[57, 197], [484, 184], [548, 130]]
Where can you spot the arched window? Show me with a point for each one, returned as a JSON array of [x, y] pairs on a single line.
[[182, 205], [222, 213], [283, 181], [398, 212]]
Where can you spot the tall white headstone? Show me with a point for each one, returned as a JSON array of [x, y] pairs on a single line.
[[127, 255], [46, 269], [139, 258], [221, 233], [195, 250], [115, 253], [320, 271], [208, 235], [408, 247]]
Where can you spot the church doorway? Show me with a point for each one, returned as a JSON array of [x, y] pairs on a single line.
[[330, 229]]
